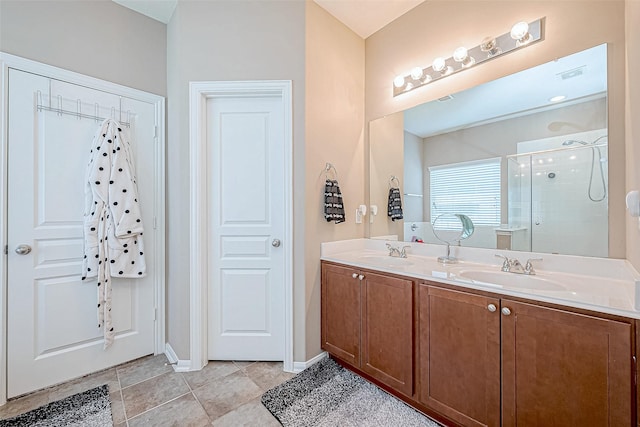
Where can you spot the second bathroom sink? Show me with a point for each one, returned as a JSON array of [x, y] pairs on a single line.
[[519, 281]]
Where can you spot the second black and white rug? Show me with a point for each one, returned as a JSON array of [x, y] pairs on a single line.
[[326, 394]]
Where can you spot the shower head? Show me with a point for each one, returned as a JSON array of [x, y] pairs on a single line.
[[572, 141]]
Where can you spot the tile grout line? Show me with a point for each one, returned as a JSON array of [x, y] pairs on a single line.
[[124, 409], [196, 398], [157, 406]]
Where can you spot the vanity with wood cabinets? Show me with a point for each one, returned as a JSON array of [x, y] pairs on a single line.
[[476, 358]]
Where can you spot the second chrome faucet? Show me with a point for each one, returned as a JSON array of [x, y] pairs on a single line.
[[514, 266]]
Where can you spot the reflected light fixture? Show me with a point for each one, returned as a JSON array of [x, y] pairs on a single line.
[[557, 98], [522, 34]]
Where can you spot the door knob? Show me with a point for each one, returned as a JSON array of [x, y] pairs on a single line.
[[506, 311], [491, 307], [275, 243], [354, 275], [23, 249]]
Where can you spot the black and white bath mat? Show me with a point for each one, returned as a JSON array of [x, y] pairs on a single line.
[[326, 394], [91, 408]]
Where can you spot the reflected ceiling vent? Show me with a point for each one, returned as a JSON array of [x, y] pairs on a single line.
[[445, 98], [573, 73]]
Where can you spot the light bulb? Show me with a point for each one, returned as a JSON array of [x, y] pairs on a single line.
[[416, 73], [438, 64], [490, 46], [398, 81], [462, 55], [520, 33]]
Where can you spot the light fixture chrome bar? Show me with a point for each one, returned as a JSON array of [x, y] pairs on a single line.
[[488, 49]]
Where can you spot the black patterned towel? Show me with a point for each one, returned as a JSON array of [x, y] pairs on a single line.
[[394, 208], [333, 206]]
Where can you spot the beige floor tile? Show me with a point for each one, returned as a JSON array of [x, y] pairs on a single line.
[[184, 411], [250, 414], [225, 394], [24, 404], [242, 363], [142, 369], [85, 383], [267, 374], [153, 392], [117, 408], [212, 371]]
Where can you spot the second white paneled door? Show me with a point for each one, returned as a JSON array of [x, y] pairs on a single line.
[[246, 205]]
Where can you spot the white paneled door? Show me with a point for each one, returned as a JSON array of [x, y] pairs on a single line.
[[52, 328], [246, 205]]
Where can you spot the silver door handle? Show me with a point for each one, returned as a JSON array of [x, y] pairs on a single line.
[[23, 249], [275, 243]]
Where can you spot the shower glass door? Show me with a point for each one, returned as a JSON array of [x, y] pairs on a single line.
[[558, 191]]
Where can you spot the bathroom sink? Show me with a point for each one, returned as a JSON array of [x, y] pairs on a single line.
[[387, 261], [519, 281]]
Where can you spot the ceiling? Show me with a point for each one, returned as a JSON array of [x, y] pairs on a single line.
[[363, 17], [160, 10]]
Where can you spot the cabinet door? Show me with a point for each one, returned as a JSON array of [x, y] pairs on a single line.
[[387, 330], [564, 369], [340, 304], [459, 355]]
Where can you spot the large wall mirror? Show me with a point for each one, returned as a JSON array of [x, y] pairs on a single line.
[[525, 157]]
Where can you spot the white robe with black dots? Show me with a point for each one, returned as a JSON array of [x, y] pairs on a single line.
[[113, 229]]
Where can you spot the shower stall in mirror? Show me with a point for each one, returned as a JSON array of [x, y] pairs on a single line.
[[557, 189]]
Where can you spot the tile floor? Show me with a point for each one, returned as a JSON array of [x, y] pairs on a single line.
[[147, 392]]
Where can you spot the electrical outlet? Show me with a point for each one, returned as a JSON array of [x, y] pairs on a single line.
[[358, 216]]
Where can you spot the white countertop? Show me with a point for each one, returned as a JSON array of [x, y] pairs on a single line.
[[597, 284]]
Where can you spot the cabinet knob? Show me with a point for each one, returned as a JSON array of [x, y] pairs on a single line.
[[354, 275], [506, 311], [361, 277], [491, 307]]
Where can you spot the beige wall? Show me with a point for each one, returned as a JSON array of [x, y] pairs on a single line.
[[334, 133], [633, 123], [228, 40], [435, 28], [98, 38]]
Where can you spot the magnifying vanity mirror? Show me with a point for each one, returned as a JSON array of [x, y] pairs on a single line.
[[525, 157], [451, 229]]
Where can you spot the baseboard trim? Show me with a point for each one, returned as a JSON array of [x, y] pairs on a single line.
[[177, 364], [301, 366]]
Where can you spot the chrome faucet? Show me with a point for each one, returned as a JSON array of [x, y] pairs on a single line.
[[514, 266], [395, 251]]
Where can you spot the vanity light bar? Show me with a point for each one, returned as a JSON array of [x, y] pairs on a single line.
[[521, 35]]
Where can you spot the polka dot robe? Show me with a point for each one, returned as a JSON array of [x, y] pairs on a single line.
[[113, 243]]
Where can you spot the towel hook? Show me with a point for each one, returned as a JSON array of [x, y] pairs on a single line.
[[392, 180], [327, 169]]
